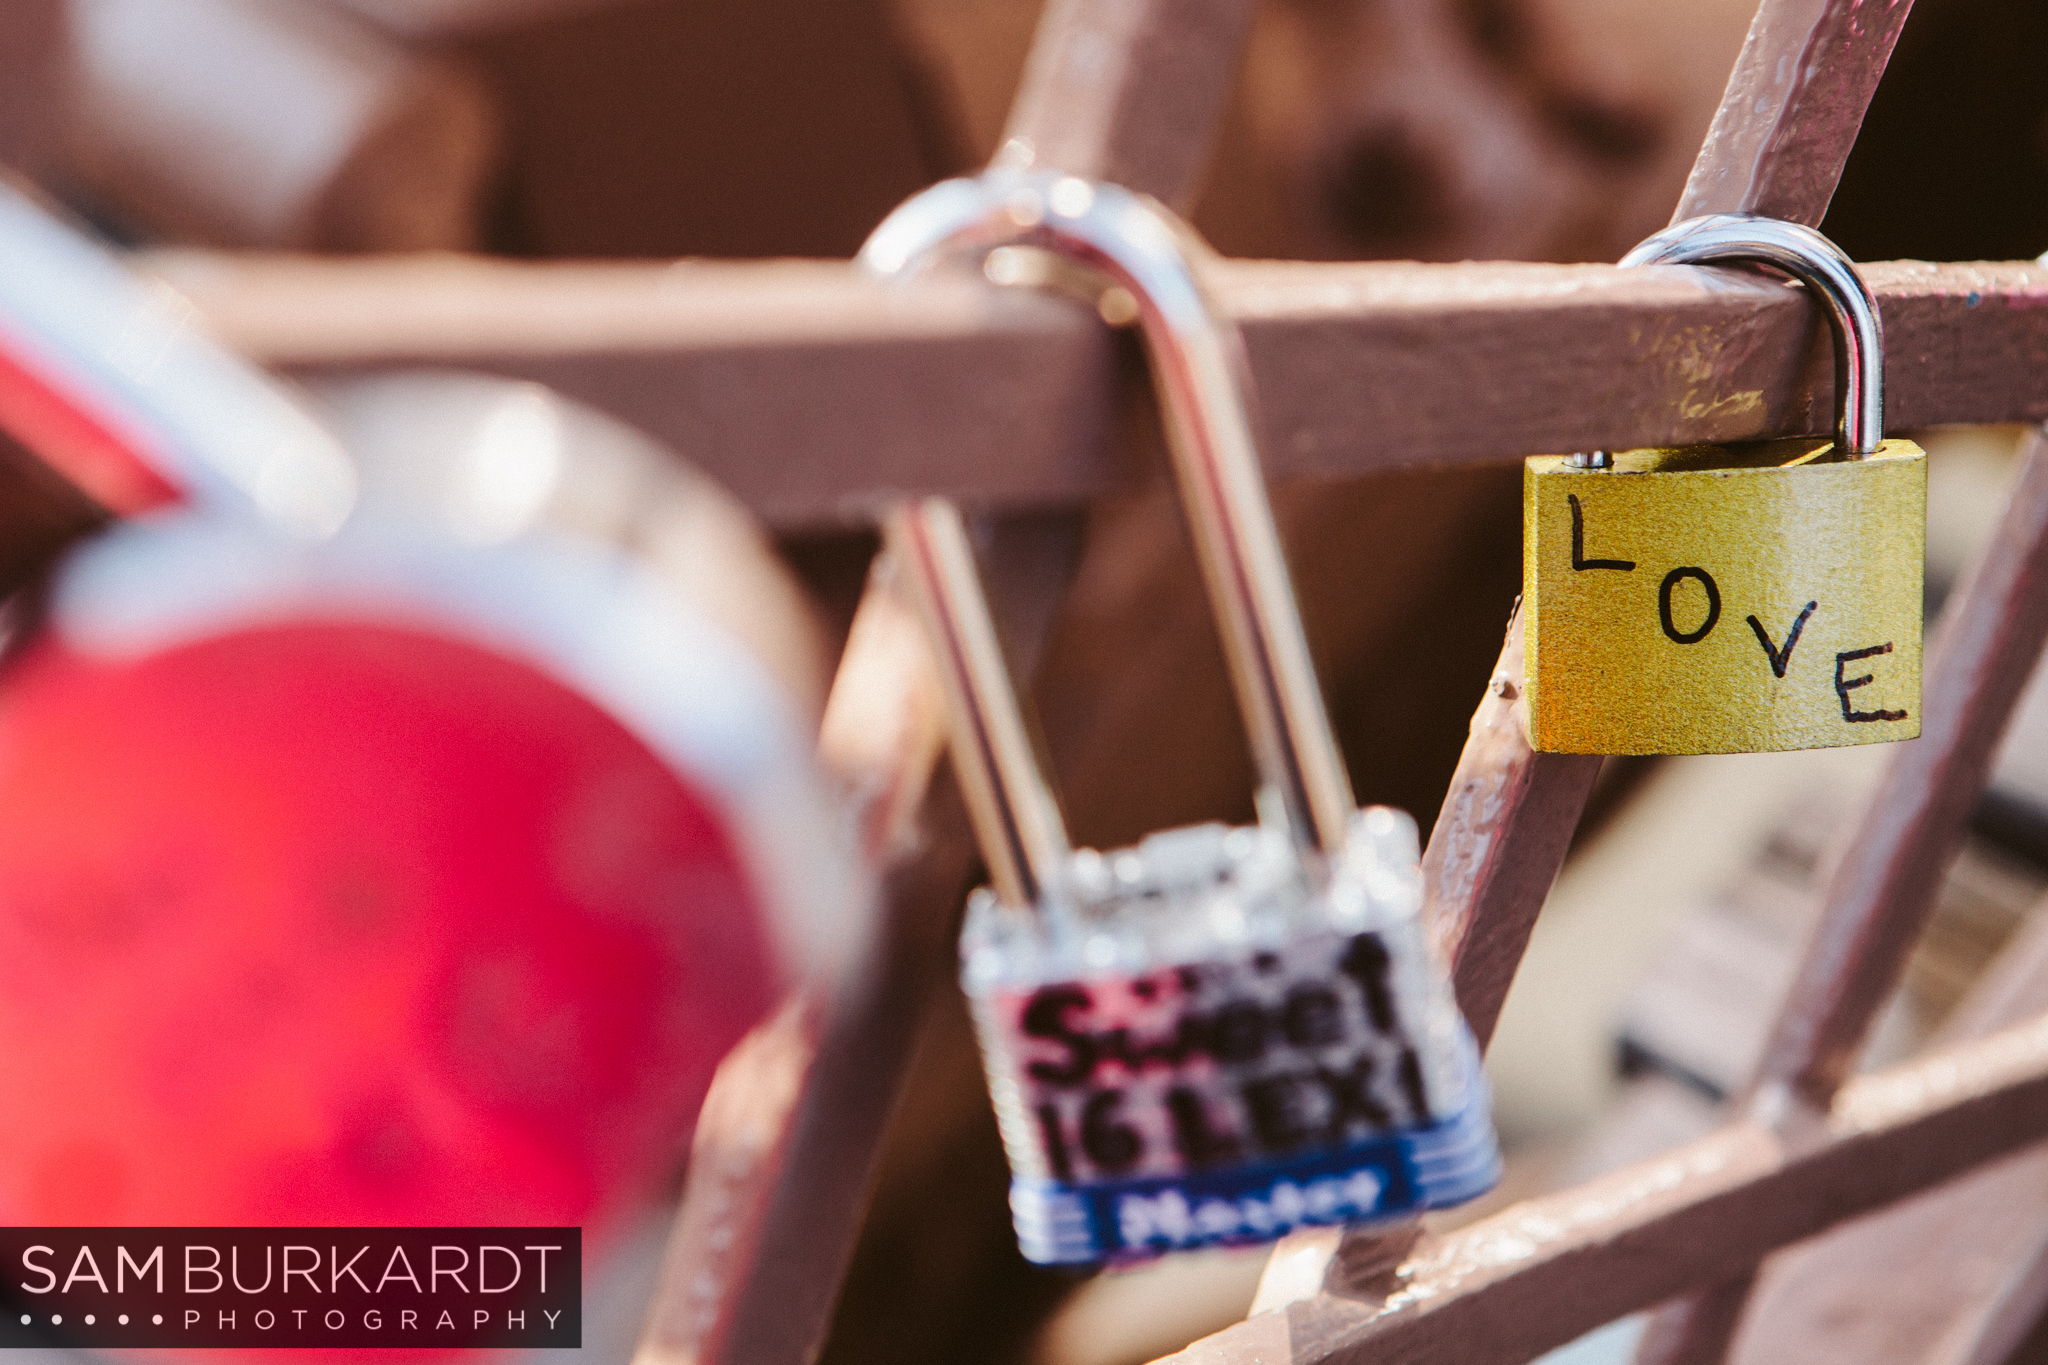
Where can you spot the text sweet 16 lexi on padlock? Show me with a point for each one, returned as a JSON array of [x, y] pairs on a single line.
[[1730, 599]]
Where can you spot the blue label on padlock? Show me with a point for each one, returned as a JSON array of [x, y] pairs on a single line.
[[1384, 1177]]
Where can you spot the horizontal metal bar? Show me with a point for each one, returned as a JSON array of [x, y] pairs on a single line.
[[1961, 1264], [1545, 1271], [814, 394]]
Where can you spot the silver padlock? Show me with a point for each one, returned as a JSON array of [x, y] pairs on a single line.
[[1220, 1034]]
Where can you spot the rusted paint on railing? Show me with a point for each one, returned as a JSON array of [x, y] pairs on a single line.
[[743, 1136], [779, 1172], [1506, 823], [780, 1156], [1780, 138], [1743, 165], [1008, 402], [813, 394]]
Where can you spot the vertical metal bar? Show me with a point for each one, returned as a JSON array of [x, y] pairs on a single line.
[[1499, 840], [1502, 834], [787, 1141], [1128, 93], [1794, 104], [1961, 1264]]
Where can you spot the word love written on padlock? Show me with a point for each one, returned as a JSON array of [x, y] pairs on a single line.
[[1220, 1034], [1730, 599]]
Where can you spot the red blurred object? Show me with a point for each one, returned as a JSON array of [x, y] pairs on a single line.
[[337, 923], [392, 837]]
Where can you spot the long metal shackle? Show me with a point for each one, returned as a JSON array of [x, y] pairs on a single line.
[[1816, 262], [1204, 387], [1016, 820]]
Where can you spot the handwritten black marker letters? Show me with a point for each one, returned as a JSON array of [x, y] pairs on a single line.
[[1844, 686], [1780, 656], [1671, 581], [1781, 659], [1579, 560]]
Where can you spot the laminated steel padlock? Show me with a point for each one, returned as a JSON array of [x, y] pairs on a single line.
[[1730, 599], [1220, 1034], [388, 836]]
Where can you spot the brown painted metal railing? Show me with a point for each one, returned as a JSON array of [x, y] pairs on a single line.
[[864, 394], [1004, 400]]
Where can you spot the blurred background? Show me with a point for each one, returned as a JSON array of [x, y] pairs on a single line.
[[1437, 130]]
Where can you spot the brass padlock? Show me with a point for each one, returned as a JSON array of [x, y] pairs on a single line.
[[1739, 598], [1220, 1034]]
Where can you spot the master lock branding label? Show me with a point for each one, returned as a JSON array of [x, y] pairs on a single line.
[[1379, 1177], [434, 1288], [1720, 600]]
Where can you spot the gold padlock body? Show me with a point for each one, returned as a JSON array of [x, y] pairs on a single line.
[[1772, 599]]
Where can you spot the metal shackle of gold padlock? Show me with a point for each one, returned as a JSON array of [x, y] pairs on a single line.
[[1220, 1034], [1732, 599]]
